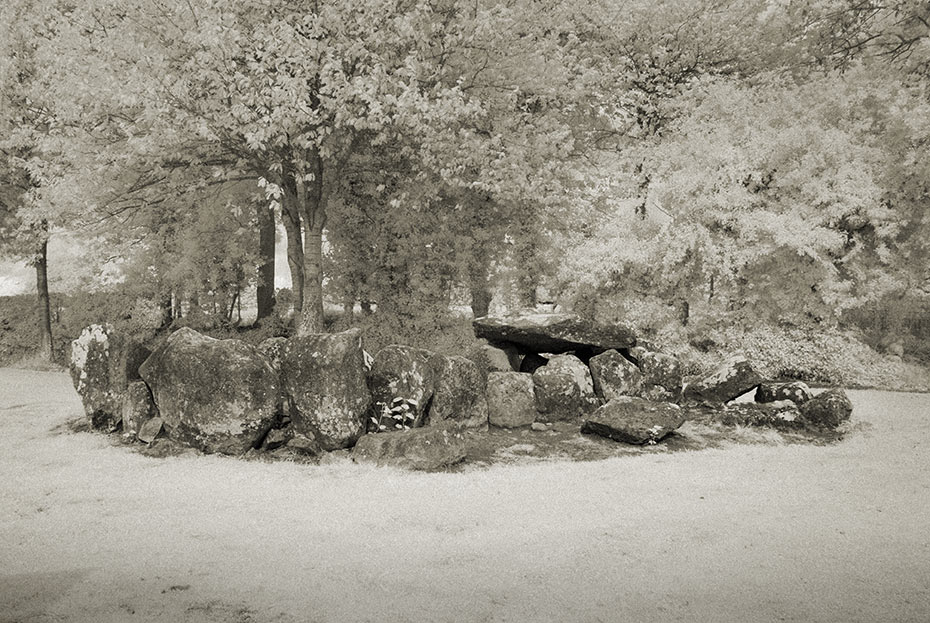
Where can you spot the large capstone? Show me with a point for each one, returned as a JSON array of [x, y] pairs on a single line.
[[614, 376], [430, 448], [634, 420], [103, 364], [796, 391], [563, 389], [733, 378], [215, 395], [459, 393], [828, 409], [324, 377], [402, 375], [554, 333], [511, 400]]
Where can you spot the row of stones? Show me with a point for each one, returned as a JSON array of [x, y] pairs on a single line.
[[227, 396], [640, 402], [317, 393]]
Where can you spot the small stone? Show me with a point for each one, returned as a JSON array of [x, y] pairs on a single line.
[[150, 429], [276, 438], [540, 427], [303, 444]]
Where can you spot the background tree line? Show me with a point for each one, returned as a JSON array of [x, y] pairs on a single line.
[[682, 166]]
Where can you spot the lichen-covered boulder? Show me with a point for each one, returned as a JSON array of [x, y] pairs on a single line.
[[215, 395], [103, 363], [460, 393], [614, 376], [797, 392], [779, 414], [554, 333], [403, 372], [511, 399], [324, 377], [634, 420], [138, 407], [828, 409], [733, 378], [660, 372], [563, 389], [429, 449]]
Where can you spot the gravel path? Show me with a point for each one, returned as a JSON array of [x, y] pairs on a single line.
[[94, 532]]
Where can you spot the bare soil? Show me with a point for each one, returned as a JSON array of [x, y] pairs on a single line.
[[713, 526]]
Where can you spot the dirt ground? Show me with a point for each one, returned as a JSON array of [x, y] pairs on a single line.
[[90, 531]]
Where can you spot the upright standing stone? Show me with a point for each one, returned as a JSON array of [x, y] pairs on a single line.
[[216, 395], [662, 378], [614, 376], [103, 363], [460, 393], [511, 400], [564, 389], [403, 372], [324, 375]]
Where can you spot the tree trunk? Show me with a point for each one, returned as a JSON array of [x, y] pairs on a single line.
[[290, 215], [313, 204], [45, 316], [266, 235], [480, 287], [167, 311]]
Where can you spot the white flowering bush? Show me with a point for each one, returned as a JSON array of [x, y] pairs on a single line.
[[399, 415]]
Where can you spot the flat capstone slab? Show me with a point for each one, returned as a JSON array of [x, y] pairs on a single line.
[[554, 333]]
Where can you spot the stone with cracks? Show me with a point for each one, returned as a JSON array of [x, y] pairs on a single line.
[[511, 399], [733, 378], [660, 371], [403, 372], [103, 363], [138, 407], [215, 395], [429, 449], [828, 409], [554, 333], [460, 393], [797, 392], [563, 389], [614, 376], [324, 377], [634, 420]]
